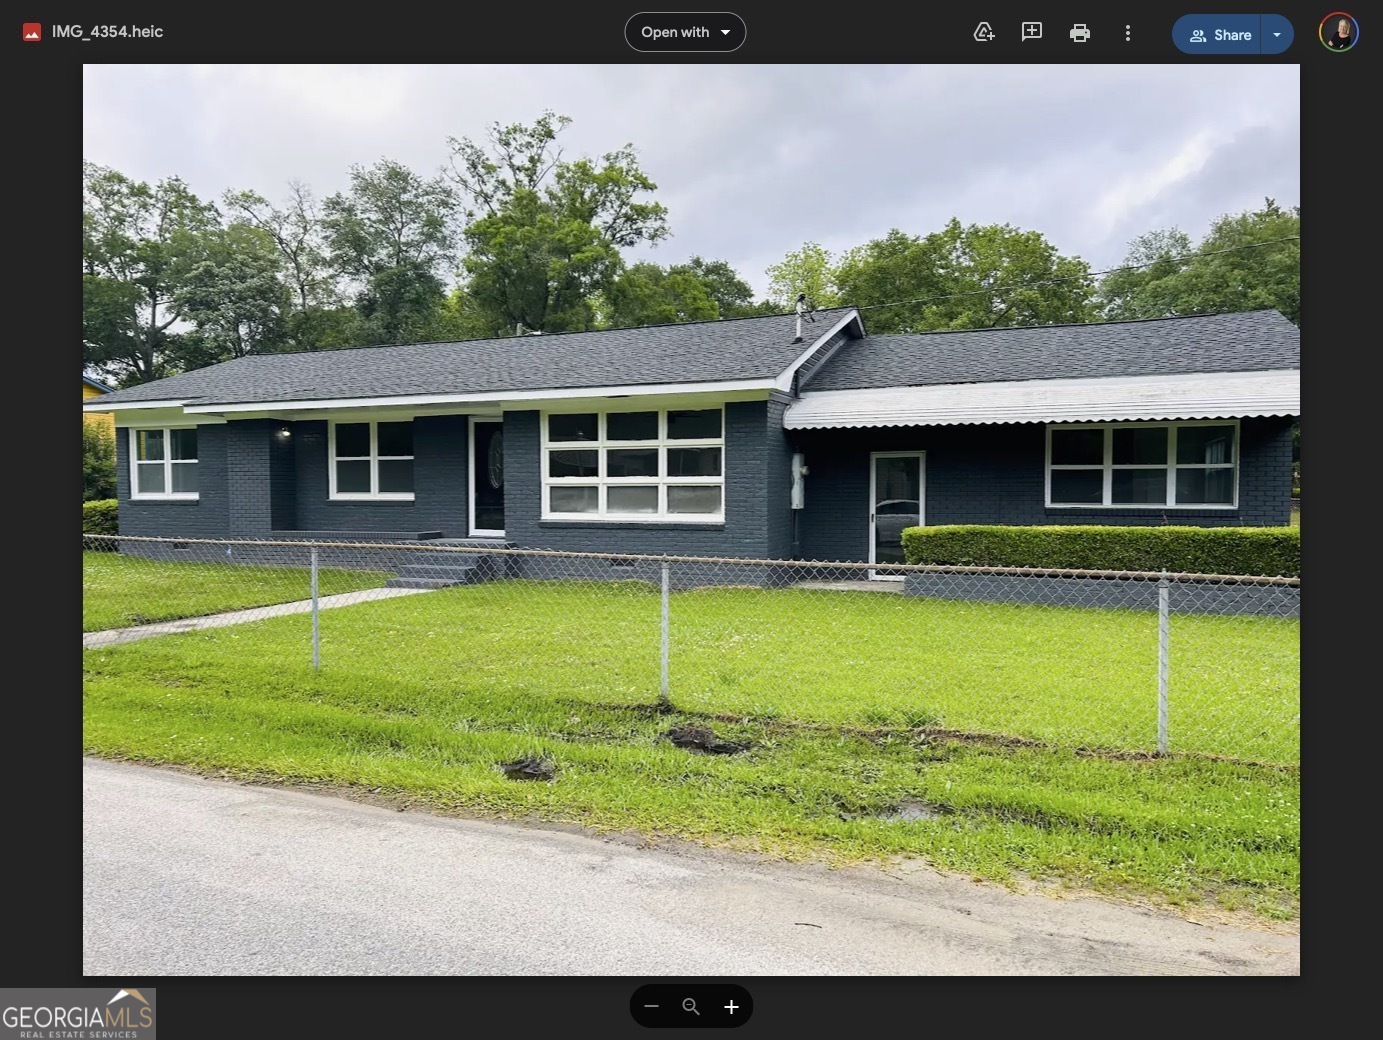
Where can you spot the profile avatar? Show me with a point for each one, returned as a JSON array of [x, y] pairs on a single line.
[[1339, 31]]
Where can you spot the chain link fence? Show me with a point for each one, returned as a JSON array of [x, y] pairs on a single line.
[[1107, 661]]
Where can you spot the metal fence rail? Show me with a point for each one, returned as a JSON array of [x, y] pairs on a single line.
[[1100, 660]]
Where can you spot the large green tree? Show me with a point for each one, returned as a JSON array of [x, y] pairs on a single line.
[[965, 277], [313, 319], [647, 294], [139, 242], [734, 296], [233, 296], [543, 233], [809, 270], [698, 290], [393, 234], [1246, 261]]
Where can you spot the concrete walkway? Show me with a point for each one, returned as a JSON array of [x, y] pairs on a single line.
[[111, 636]]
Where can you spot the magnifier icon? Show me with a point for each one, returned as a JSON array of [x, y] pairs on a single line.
[[690, 1005]]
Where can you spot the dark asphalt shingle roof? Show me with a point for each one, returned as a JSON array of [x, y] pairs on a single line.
[[692, 352], [1243, 342], [744, 348]]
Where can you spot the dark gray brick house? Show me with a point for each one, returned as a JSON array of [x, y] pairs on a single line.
[[741, 438]]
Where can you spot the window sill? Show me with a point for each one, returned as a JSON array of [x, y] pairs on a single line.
[[185, 499], [347, 499], [636, 525], [1092, 507]]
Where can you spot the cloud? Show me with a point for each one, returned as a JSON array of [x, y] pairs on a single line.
[[753, 160]]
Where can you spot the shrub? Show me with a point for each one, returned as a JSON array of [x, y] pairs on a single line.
[[100, 517], [98, 463], [1202, 550]]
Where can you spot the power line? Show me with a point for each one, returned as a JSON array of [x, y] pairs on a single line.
[[1081, 277]]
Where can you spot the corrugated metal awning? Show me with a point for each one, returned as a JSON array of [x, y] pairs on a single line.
[[1209, 395]]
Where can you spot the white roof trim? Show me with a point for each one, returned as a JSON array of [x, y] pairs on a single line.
[[1194, 395], [784, 380], [645, 390], [100, 404]]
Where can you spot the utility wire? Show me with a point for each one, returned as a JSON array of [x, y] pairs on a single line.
[[1081, 277]]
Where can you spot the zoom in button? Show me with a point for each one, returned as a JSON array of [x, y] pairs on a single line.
[[664, 32]]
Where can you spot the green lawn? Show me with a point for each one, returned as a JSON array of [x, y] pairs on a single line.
[[120, 590], [1183, 831], [1077, 677], [422, 696]]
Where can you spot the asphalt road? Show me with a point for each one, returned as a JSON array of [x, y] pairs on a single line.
[[188, 876]]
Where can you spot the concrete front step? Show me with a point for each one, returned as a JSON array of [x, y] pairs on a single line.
[[417, 558], [357, 536], [475, 543], [476, 568], [440, 570], [426, 583]]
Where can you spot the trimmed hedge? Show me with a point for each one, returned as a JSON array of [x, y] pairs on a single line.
[[1201, 550], [99, 517]]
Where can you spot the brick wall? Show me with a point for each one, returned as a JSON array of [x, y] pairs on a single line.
[[777, 482], [253, 482], [440, 449], [995, 475], [248, 476], [207, 517], [754, 449]]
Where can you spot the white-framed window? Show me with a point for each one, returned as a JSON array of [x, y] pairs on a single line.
[[163, 462], [652, 464], [1174, 465], [371, 460]]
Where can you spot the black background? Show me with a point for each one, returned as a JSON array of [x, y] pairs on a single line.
[[40, 728]]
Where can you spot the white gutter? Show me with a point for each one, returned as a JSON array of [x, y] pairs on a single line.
[[645, 390], [97, 404]]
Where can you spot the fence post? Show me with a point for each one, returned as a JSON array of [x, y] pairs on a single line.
[[316, 631], [663, 699], [1164, 633]]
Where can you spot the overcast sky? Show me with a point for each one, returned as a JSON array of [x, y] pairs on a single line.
[[754, 160]]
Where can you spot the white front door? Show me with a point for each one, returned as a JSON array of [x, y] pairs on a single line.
[[897, 500]]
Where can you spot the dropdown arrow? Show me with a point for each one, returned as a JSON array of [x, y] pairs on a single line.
[[727, 32]]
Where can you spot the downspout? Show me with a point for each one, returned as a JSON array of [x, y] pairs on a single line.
[[796, 531]]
